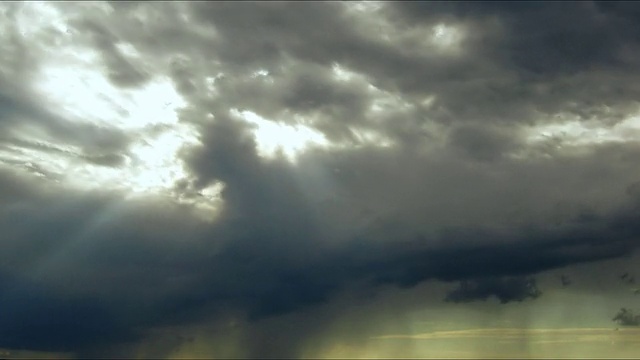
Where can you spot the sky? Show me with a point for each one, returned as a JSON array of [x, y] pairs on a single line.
[[319, 179]]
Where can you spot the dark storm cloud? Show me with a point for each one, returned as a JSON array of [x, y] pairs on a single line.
[[367, 180], [583, 51], [78, 260], [504, 289], [294, 265], [36, 318], [459, 196], [485, 83], [151, 267], [577, 36], [495, 78]]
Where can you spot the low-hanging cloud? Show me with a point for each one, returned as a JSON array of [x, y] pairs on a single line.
[[505, 290], [626, 317]]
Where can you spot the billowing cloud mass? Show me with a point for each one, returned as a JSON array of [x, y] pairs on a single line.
[[250, 173]]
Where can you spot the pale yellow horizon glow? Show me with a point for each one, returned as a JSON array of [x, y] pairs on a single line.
[[529, 343], [517, 333]]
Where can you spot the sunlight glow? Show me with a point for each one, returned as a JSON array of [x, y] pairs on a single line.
[[158, 166], [341, 73], [273, 137], [72, 83], [85, 95]]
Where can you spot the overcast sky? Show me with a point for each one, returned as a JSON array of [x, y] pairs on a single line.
[[319, 179]]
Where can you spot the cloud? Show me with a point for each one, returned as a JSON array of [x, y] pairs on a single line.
[[625, 317], [464, 143], [33, 317], [30, 125], [505, 290], [121, 71]]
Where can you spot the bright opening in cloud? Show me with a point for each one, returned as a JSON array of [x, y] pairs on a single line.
[[85, 95], [73, 84], [341, 73], [272, 137], [581, 133]]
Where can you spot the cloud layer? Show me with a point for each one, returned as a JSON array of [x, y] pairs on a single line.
[[453, 141]]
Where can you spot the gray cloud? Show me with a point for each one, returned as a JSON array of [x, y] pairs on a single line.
[[505, 290], [24, 111], [626, 317], [121, 71], [261, 259], [36, 318], [458, 194], [482, 142]]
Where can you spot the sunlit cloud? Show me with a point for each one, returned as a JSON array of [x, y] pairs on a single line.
[[581, 133], [447, 38], [272, 137]]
